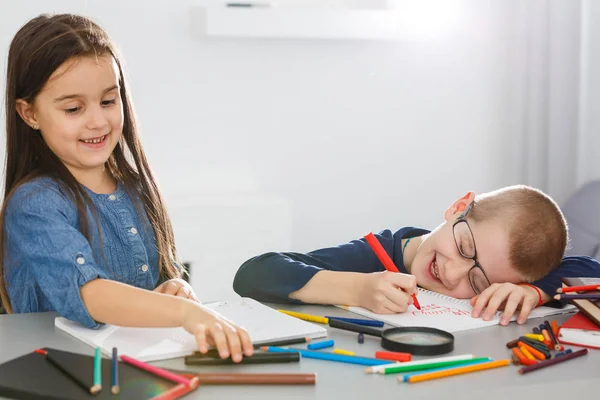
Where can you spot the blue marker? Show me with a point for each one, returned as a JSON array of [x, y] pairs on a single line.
[[320, 345]]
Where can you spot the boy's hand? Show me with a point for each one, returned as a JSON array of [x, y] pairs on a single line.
[[508, 297], [210, 328], [386, 292], [177, 287]]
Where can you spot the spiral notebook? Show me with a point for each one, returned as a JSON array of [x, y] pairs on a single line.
[[446, 313], [262, 323]]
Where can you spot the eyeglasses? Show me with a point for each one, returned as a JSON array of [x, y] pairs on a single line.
[[465, 242]]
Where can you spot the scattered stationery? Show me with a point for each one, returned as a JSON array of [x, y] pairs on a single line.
[[590, 307], [258, 358], [263, 324], [115, 372], [33, 376], [321, 345], [456, 371], [385, 259], [381, 368], [319, 355], [447, 313], [553, 361], [579, 330], [256, 379]]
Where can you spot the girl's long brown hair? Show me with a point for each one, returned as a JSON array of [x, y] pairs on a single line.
[[36, 51]]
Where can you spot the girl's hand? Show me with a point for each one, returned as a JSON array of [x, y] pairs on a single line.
[[508, 297], [386, 292], [210, 328], [177, 287]]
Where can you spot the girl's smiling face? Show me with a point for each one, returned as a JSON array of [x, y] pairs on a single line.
[[79, 113]]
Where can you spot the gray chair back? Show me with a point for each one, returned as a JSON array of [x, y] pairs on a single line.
[[582, 212]]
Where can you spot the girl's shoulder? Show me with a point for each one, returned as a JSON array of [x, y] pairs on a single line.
[[40, 194]]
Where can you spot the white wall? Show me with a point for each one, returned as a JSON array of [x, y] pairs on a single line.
[[341, 137]]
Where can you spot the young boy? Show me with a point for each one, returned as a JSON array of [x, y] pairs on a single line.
[[502, 249]]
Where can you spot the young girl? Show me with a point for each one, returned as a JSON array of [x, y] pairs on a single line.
[[85, 231]]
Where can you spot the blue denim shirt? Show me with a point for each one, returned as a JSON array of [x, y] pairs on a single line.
[[47, 259]]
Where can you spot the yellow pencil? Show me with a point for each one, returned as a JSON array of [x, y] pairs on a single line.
[[456, 371], [526, 353], [539, 338], [345, 352], [306, 317]]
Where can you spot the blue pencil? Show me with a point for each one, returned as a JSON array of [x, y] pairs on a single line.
[[363, 322], [467, 362], [328, 356], [115, 372], [97, 371]]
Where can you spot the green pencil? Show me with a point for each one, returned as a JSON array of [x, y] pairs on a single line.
[[421, 367], [97, 372]]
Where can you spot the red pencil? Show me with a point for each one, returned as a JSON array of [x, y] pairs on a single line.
[[584, 288], [386, 260]]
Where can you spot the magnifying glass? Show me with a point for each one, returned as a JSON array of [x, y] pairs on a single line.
[[417, 340]]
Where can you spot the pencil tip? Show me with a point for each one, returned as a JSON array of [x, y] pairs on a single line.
[[40, 351]]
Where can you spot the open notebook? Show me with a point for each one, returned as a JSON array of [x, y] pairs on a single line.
[[263, 324], [446, 313]]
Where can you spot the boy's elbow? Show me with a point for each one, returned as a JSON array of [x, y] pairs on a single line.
[[248, 280]]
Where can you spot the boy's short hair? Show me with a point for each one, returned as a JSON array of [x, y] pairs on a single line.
[[537, 228]]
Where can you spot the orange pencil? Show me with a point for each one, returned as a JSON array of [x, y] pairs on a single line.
[[456, 371], [386, 260], [526, 352], [554, 327], [521, 357], [534, 352]]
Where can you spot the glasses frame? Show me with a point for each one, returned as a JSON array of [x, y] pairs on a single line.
[[462, 218]]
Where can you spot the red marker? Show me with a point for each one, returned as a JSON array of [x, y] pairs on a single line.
[[386, 260]]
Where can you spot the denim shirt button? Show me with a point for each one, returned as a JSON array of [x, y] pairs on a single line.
[[144, 268], [112, 197], [80, 260], [133, 230]]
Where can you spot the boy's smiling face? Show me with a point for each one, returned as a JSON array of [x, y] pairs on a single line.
[[439, 266]]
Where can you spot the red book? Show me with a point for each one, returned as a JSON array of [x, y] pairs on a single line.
[[579, 330]]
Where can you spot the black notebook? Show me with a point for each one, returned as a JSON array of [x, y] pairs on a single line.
[[32, 377]]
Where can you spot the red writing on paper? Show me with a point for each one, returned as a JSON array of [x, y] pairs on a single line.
[[434, 309]]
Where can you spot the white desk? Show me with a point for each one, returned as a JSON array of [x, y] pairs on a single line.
[[20, 334]]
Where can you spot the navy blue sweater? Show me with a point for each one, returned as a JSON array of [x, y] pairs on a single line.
[[271, 277]]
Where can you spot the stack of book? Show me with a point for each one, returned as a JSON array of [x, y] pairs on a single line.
[[583, 328]]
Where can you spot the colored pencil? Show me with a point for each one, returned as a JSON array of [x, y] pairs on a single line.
[[393, 355], [554, 327], [115, 372], [174, 393], [582, 296], [256, 379], [97, 371], [553, 361], [259, 358], [404, 378], [306, 317], [583, 288], [458, 371], [521, 359], [345, 352], [461, 357], [402, 367], [385, 259], [319, 355], [160, 372], [552, 336], [320, 345], [283, 342], [526, 353], [358, 321], [539, 338], [68, 372]]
